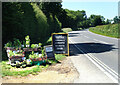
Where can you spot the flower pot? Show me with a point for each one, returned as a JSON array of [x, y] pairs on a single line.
[[30, 49], [35, 49], [25, 49], [39, 59], [10, 48], [34, 60]]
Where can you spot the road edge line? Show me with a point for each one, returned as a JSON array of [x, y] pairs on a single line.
[[93, 61]]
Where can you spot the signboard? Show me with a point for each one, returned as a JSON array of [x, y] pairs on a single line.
[[49, 52], [60, 43]]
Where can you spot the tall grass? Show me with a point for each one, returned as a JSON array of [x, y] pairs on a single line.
[[110, 30]]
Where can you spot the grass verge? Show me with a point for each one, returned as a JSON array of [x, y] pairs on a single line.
[[8, 70], [110, 30], [66, 30]]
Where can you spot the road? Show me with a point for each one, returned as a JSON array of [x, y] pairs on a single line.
[[103, 49]]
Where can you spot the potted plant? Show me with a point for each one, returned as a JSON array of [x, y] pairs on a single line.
[[10, 54], [8, 46], [34, 46], [28, 62], [31, 56], [24, 46], [27, 41], [39, 46], [17, 44], [35, 56]]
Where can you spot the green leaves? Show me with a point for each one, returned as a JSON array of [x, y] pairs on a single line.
[[17, 43], [9, 44]]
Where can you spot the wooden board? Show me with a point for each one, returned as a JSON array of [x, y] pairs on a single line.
[[60, 43]]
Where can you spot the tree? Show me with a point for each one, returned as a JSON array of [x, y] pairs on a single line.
[[108, 21], [51, 7], [96, 20], [116, 19]]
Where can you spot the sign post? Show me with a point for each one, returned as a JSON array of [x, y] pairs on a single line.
[[60, 43]]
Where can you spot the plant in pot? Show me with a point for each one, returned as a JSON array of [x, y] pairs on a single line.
[[34, 46], [8, 46], [31, 56], [27, 41], [34, 56], [11, 54], [39, 58], [39, 46], [43, 54], [17, 44], [24, 46], [28, 62]]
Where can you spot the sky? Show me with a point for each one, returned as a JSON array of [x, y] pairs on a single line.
[[107, 9]]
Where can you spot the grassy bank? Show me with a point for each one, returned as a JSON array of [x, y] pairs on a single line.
[[110, 30]]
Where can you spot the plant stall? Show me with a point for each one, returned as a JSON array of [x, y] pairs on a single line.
[[16, 53]]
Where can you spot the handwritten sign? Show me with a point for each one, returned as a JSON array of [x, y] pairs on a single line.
[[60, 43]]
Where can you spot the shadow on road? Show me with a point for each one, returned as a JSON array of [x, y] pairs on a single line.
[[90, 48]]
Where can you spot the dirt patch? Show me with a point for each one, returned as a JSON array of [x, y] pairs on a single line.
[[63, 72]]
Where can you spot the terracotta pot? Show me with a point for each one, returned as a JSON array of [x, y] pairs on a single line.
[[39, 59]]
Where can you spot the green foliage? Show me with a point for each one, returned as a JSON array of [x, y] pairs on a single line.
[[27, 40], [22, 19], [59, 57], [11, 53], [116, 19], [49, 41], [34, 46], [43, 52], [35, 55], [96, 20], [9, 44], [110, 30], [39, 44], [24, 43], [70, 18], [42, 23], [66, 30], [17, 43], [51, 8]]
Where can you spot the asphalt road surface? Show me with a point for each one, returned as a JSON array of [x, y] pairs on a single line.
[[101, 47]]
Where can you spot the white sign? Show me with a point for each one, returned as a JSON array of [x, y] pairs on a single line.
[[48, 49]]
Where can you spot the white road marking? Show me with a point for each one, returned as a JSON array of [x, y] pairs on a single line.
[[101, 41], [99, 63], [86, 36]]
